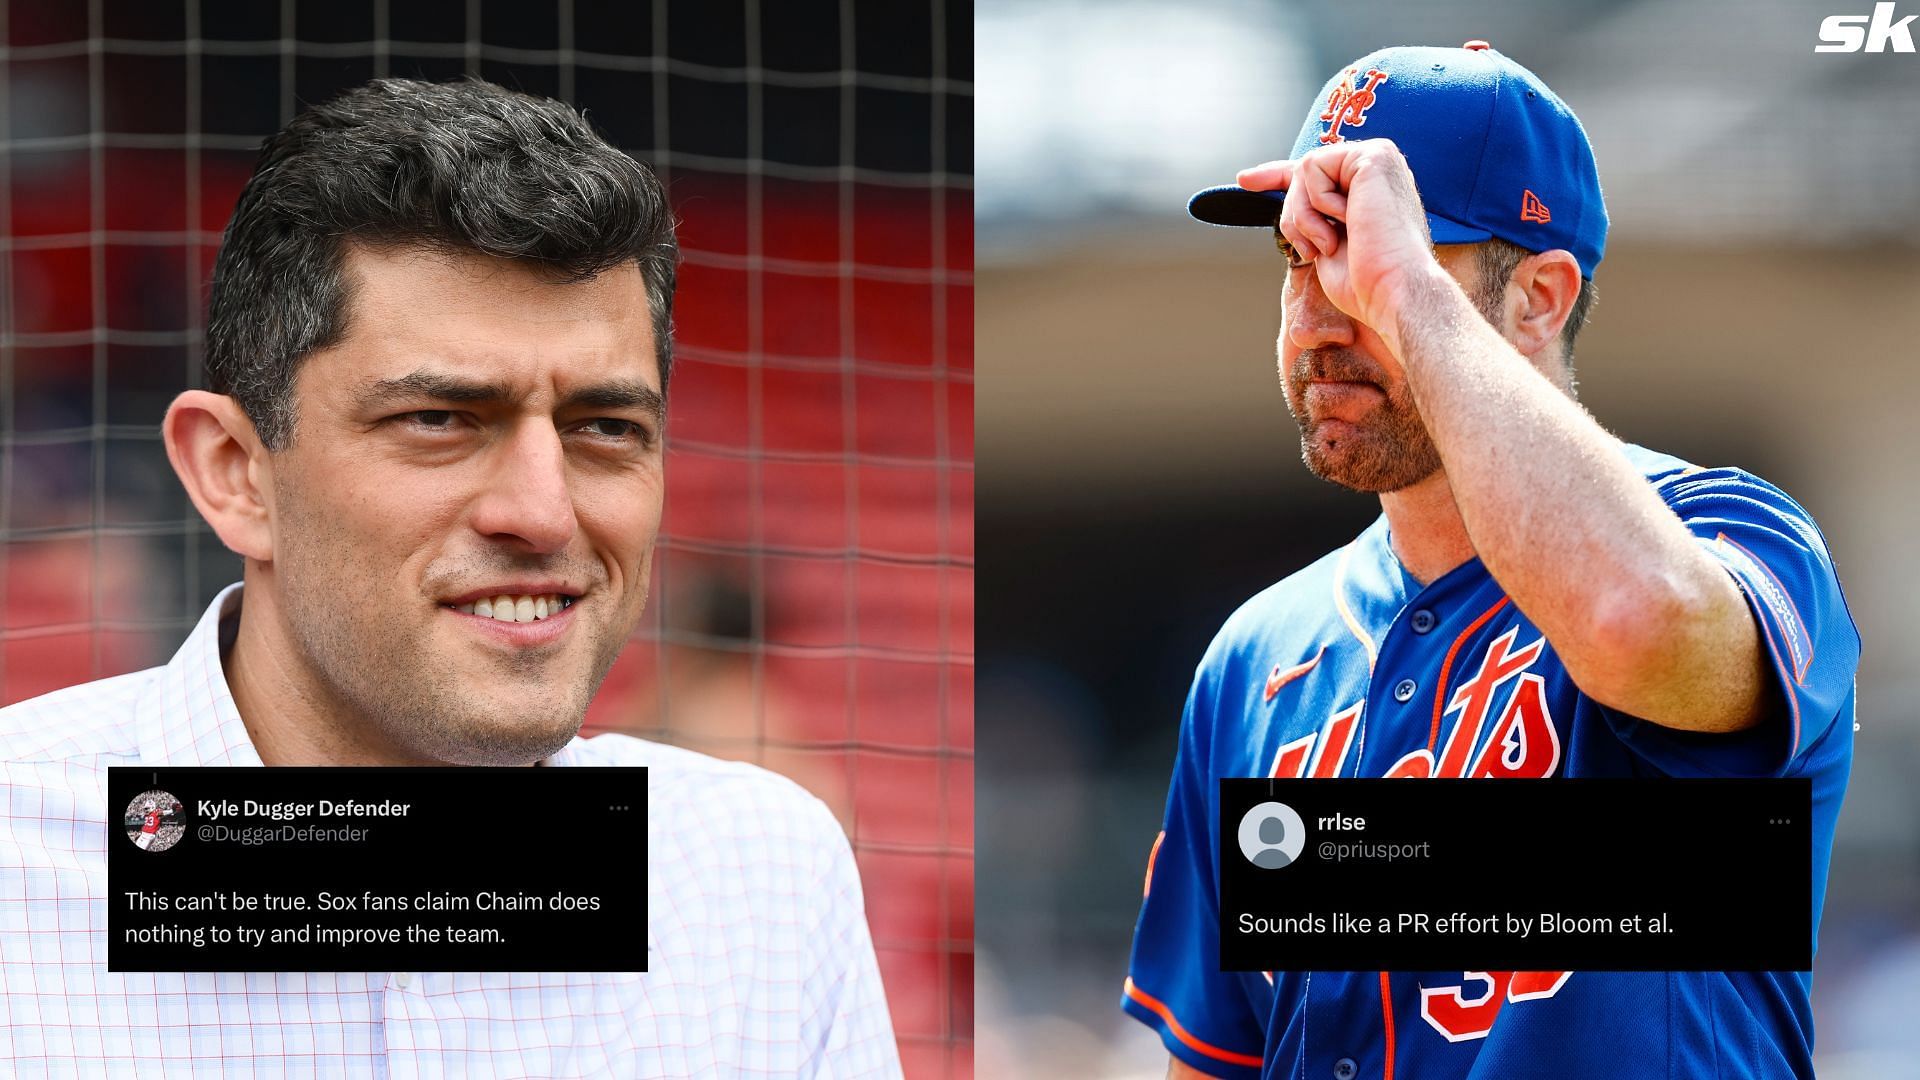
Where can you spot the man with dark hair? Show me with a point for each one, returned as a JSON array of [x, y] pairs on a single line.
[[437, 361], [1537, 599]]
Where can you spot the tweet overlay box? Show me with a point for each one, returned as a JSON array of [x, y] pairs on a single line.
[[1548, 875], [357, 869]]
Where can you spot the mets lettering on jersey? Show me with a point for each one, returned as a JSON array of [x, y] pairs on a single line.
[[1352, 668]]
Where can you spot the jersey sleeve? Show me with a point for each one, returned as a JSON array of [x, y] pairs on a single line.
[[1174, 982], [1774, 552]]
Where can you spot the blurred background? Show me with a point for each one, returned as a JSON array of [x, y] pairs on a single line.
[[813, 609], [1142, 477]]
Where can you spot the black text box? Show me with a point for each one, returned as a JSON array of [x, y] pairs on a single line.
[[1600, 874], [530, 869]]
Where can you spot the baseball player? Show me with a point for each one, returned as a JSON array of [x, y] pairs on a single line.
[[1537, 599]]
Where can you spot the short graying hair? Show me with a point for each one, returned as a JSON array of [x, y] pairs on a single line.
[[454, 167]]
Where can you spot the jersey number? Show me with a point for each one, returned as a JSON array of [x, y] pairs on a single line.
[[1448, 1011]]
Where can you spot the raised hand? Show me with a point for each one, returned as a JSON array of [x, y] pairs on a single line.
[[1352, 209]]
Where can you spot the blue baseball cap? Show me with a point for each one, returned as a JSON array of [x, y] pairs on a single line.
[[1493, 151]]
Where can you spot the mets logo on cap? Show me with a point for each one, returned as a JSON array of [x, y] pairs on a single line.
[[1348, 103]]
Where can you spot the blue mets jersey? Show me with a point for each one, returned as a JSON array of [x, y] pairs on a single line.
[[1353, 668]]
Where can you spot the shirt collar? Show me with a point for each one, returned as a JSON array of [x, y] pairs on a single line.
[[188, 715]]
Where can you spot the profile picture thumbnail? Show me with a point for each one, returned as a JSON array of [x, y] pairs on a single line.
[[1271, 835], [155, 820]]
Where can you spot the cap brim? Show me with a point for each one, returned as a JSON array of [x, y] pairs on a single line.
[[1240, 208], [1236, 206]]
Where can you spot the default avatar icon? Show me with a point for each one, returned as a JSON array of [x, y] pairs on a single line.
[[1271, 835]]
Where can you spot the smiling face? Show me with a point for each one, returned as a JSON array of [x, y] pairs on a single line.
[[1359, 425], [482, 431]]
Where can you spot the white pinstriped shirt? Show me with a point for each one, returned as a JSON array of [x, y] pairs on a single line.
[[760, 960]]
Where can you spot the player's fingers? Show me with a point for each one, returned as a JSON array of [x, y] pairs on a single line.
[[1289, 225], [1313, 188], [1330, 206], [1267, 176], [1330, 199], [1296, 221]]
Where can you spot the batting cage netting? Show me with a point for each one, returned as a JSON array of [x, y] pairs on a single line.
[[813, 600]]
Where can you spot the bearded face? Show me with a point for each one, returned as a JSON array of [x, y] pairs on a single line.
[[1359, 425], [1359, 428]]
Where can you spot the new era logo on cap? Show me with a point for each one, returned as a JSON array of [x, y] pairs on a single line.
[[1484, 136]]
